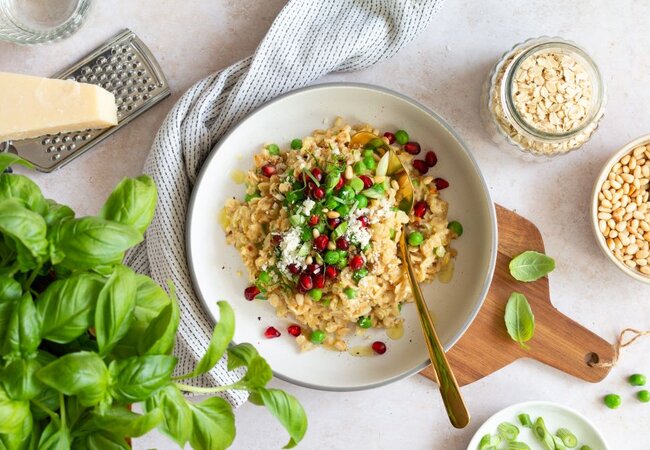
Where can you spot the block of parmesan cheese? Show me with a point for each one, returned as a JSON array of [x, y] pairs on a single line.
[[33, 106]]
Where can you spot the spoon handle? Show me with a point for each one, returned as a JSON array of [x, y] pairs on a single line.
[[451, 396]]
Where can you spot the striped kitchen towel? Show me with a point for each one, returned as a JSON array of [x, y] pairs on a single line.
[[308, 39]]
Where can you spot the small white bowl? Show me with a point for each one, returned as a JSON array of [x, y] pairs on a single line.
[[594, 208]]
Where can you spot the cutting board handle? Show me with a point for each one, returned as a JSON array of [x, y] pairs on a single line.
[[568, 346]]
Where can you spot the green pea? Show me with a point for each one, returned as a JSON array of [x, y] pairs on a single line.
[[343, 210], [342, 264], [331, 203], [364, 322], [368, 154], [402, 137], [356, 184], [250, 197], [350, 292], [316, 294], [342, 254], [317, 337], [359, 168], [296, 144], [370, 163], [326, 302], [347, 194], [643, 396], [376, 142], [415, 238], [264, 277], [637, 379], [273, 149], [362, 200], [331, 257], [456, 228], [392, 233], [359, 274], [612, 401]]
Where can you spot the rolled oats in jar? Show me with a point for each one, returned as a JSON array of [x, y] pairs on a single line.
[[545, 97]]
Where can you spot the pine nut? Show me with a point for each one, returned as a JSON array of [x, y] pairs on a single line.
[[331, 245], [349, 173], [333, 215], [645, 270], [315, 233]]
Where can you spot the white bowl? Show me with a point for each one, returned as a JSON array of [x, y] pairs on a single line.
[[594, 208], [555, 416], [219, 273]]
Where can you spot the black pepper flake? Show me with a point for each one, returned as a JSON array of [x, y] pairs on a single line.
[[259, 318]]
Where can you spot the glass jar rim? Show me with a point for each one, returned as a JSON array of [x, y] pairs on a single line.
[[506, 89]]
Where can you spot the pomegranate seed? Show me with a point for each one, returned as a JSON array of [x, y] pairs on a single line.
[[314, 269], [340, 184], [319, 281], [271, 333], [441, 183], [313, 220], [306, 282], [342, 243], [321, 242], [318, 193], [317, 173], [302, 290], [356, 262], [251, 292], [367, 181], [364, 221], [420, 165], [294, 330], [333, 223], [331, 272], [420, 209], [412, 147], [268, 170], [431, 159], [379, 347], [276, 239], [311, 186], [293, 269], [390, 136]]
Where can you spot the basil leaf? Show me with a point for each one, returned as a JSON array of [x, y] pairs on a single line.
[[115, 306], [56, 213], [138, 377], [66, 308], [48, 396], [531, 266], [160, 335], [120, 421], [221, 337], [12, 413], [25, 437], [24, 190], [177, 416], [83, 374], [132, 203], [27, 230], [24, 332], [7, 159], [10, 293], [519, 318], [89, 242], [213, 424], [54, 438], [20, 381], [258, 371], [101, 440], [286, 409]]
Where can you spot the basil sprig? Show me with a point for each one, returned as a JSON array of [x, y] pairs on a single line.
[[83, 337]]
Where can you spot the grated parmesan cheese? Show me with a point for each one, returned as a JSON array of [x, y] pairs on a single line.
[[290, 247], [306, 207], [356, 233]]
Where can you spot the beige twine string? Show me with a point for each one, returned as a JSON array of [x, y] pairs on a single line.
[[621, 343]]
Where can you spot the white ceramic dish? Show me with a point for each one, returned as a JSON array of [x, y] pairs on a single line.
[[555, 416], [594, 208], [219, 273]]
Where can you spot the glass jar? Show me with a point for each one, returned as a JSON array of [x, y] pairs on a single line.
[[40, 21], [543, 98]]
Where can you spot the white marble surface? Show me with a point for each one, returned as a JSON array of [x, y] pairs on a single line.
[[443, 68]]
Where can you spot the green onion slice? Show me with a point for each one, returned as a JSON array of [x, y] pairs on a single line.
[[508, 431], [568, 438]]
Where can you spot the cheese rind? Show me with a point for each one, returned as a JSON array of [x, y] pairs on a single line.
[[33, 106]]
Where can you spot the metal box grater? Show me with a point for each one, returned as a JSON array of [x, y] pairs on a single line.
[[123, 66]]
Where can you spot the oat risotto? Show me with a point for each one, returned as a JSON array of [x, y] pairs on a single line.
[[319, 230]]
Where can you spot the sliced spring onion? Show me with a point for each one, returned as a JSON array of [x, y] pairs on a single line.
[[296, 220], [250, 197], [559, 445], [392, 233], [489, 441], [514, 445], [568, 438], [331, 180], [508, 431], [339, 231], [440, 252], [524, 419], [304, 250], [542, 434], [382, 165], [585, 447], [311, 175], [356, 184]]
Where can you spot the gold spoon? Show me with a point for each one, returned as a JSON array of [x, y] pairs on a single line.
[[449, 389]]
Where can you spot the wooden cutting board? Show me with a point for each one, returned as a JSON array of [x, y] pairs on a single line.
[[558, 341]]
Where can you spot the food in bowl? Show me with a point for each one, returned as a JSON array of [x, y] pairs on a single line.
[[624, 210], [319, 227]]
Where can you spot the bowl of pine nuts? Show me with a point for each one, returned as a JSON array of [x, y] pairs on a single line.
[[621, 209]]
